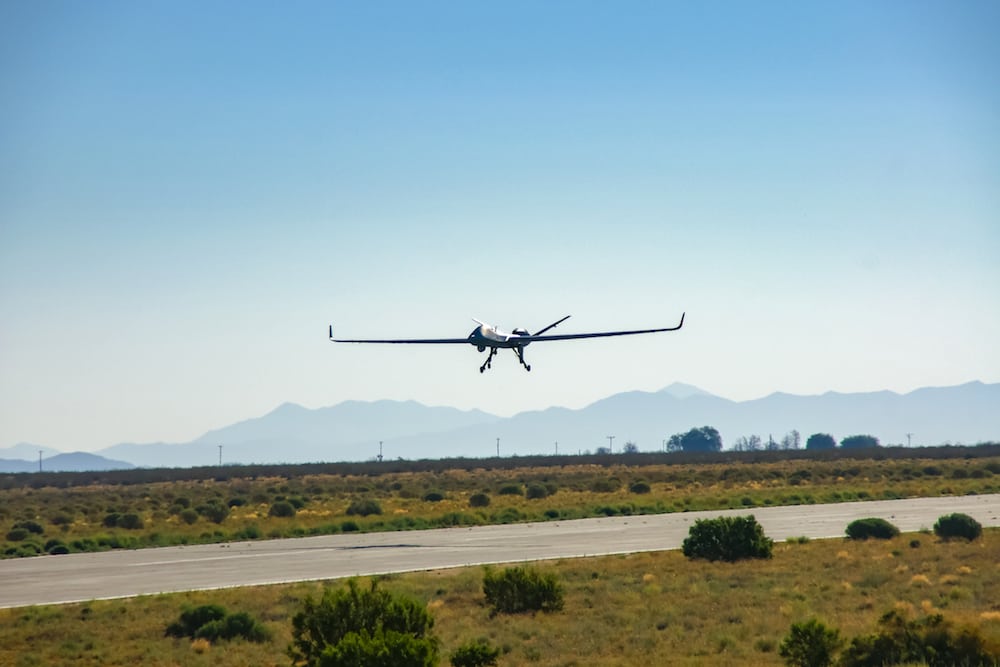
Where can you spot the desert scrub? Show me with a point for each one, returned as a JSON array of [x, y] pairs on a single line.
[[727, 538], [355, 626], [874, 527], [521, 589], [958, 525], [364, 507]]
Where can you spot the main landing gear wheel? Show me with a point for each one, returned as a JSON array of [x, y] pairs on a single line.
[[489, 360]]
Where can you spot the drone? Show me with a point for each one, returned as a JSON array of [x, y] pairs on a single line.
[[486, 336]]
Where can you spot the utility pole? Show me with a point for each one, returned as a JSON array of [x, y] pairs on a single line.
[[611, 444], [39, 460], [379, 450], [908, 436], [498, 447], [220, 456], [557, 448]]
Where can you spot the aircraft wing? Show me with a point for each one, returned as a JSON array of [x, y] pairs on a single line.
[[602, 334], [425, 341]]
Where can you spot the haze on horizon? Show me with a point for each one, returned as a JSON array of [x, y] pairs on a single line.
[[190, 194]]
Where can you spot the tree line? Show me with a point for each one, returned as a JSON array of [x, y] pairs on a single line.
[[707, 439]]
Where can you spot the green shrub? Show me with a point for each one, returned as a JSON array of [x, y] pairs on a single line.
[[30, 526], [189, 516], [85, 544], [16, 534], [233, 626], [364, 508], [859, 442], [609, 485], [639, 488], [130, 522], [821, 441], [54, 542], [521, 589], [433, 496], [873, 527], [536, 491], [363, 627], [479, 500], [237, 502], [282, 509], [215, 512], [192, 619], [931, 640], [475, 654], [511, 490], [957, 525], [212, 622], [383, 648], [810, 644], [111, 520], [728, 538]]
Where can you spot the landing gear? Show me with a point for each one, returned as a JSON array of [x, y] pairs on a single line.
[[489, 360], [520, 357], [519, 351]]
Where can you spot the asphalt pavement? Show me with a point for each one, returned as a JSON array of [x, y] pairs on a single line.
[[117, 574]]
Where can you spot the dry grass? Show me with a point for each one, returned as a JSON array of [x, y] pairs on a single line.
[[653, 608]]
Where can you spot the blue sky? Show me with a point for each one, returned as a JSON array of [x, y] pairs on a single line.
[[191, 192]]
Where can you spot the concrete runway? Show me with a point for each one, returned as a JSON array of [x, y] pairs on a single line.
[[116, 574]]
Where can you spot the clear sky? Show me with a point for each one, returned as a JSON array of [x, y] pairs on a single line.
[[190, 192]]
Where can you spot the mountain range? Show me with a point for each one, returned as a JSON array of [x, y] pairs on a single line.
[[355, 431]]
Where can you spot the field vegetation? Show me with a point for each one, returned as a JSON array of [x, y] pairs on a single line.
[[73, 512], [647, 608]]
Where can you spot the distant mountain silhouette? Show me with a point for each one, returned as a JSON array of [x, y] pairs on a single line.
[[968, 414], [27, 452], [294, 434], [73, 462], [351, 431], [681, 390]]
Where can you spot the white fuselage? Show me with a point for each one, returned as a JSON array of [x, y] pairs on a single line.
[[485, 336]]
